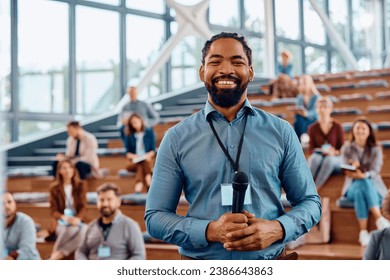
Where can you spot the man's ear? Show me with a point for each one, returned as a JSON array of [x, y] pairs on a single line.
[[201, 73], [251, 73]]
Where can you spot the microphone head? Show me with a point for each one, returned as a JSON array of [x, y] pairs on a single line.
[[240, 181]]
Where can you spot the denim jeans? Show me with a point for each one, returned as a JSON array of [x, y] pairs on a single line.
[[364, 196]]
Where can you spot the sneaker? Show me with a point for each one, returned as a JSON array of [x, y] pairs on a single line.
[[382, 222], [364, 237]]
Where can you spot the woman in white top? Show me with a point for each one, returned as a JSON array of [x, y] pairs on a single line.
[[140, 144]]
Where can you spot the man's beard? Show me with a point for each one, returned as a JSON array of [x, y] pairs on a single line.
[[107, 212], [226, 98]]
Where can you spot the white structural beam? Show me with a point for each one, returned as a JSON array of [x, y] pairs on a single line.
[[191, 20], [339, 43], [269, 58]]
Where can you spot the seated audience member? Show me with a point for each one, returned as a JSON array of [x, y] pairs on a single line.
[[145, 110], [378, 247], [112, 236], [19, 233], [364, 186], [81, 150], [140, 143], [305, 111], [285, 66], [284, 87], [386, 206], [326, 139], [68, 205]]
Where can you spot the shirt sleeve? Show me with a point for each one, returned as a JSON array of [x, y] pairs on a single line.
[[27, 244], [300, 189], [311, 111], [82, 251], [90, 150], [136, 242], [386, 206], [376, 161], [161, 219], [370, 252]]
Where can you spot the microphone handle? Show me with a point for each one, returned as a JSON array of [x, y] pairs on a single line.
[[238, 201]]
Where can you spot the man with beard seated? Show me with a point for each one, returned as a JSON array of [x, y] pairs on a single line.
[[19, 233], [201, 155], [113, 236]]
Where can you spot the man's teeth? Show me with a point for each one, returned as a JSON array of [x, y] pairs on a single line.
[[225, 82]]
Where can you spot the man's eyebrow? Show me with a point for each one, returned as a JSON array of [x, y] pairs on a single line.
[[237, 57], [221, 56], [215, 56]]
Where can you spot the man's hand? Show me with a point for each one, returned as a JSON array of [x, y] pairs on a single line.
[[259, 234], [217, 230], [60, 157]]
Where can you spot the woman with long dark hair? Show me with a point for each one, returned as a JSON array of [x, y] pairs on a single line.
[[140, 144], [364, 186]]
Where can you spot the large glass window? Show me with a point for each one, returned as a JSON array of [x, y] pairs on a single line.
[[142, 51], [296, 52], [5, 56], [254, 15], [186, 59], [338, 14], [362, 23], [313, 26], [315, 61], [287, 19], [5, 136], [154, 6], [258, 51], [97, 56], [110, 2], [43, 56], [222, 16], [337, 63], [33, 128]]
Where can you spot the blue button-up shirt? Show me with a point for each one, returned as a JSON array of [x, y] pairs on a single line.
[[190, 160]]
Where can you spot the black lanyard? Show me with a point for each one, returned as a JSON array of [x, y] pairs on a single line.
[[105, 229], [233, 163]]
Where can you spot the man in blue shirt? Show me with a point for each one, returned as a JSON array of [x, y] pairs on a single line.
[[200, 162]]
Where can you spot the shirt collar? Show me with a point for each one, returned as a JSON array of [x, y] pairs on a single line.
[[209, 109]]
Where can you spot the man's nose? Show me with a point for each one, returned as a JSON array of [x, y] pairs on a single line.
[[226, 68]]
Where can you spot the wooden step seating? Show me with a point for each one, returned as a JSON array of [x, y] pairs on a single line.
[[344, 227], [159, 129], [40, 212], [154, 251], [41, 183]]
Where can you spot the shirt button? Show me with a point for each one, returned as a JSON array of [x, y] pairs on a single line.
[[232, 146]]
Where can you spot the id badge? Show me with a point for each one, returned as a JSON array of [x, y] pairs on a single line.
[[227, 195], [68, 212], [104, 251]]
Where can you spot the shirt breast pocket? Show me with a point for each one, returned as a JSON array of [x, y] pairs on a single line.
[[264, 171]]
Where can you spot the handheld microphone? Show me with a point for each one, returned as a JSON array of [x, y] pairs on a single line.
[[240, 184]]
